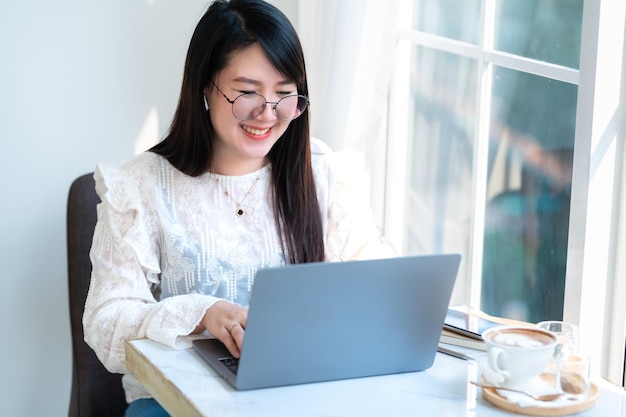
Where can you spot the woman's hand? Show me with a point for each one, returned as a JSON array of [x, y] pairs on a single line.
[[226, 321]]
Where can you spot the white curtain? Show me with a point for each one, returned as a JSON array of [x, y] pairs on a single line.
[[349, 47]]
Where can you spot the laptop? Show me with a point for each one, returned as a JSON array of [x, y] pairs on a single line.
[[328, 321]]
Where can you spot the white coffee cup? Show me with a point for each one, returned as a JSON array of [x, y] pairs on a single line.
[[517, 355]]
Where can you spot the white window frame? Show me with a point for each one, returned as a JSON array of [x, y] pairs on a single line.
[[594, 296], [595, 289]]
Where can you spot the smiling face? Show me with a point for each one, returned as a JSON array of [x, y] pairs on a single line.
[[241, 147]]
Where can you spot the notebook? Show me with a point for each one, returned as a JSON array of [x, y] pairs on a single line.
[[329, 321]]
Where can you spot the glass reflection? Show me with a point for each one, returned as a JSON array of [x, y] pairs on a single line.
[[454, 19], [529, 188], [442, 117], [546, 30]]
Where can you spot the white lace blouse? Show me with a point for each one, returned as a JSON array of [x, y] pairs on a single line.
[[167, 246]]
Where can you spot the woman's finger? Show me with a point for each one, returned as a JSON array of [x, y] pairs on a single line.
[[237, 332]]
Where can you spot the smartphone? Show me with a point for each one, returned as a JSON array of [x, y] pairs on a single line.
[[467, 324]]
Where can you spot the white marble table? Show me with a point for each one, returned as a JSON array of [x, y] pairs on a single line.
[[186, 386]]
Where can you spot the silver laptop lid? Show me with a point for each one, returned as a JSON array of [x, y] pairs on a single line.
[[328, 321]]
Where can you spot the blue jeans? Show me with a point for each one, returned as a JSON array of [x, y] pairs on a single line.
[[145, 407]]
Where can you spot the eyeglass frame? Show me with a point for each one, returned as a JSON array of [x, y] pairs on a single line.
[[273, 104]]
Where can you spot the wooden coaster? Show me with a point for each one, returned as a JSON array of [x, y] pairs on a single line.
[[573, 407]]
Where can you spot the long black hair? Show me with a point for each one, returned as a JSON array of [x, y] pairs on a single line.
[[226, 27]]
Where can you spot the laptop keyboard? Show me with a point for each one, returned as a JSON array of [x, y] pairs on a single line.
[[231, 363]]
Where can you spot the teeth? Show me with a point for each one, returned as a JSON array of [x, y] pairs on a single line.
[[255, 131]]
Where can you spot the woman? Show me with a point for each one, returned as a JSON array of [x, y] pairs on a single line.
[[236, 185]]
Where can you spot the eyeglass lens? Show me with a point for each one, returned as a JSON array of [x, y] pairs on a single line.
[[248, 106]]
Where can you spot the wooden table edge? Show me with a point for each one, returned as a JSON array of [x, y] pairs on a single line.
[[158, 385]]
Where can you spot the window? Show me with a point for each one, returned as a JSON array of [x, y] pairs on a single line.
[[489, 148], [523, 187]]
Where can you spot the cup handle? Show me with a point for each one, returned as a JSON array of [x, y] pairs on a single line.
[[492, 359]]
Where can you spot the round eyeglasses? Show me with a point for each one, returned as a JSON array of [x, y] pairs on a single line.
[[248, 106]]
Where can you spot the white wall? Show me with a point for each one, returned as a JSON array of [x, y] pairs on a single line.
[[80, 82]]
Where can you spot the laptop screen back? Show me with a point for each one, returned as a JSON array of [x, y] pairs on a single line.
[[329, 321]]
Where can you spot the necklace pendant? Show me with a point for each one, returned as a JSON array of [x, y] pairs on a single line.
[[239, 211]]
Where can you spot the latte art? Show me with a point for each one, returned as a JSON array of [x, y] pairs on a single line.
[[521, 338]]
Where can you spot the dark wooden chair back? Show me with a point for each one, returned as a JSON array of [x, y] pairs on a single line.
[[95, 391]]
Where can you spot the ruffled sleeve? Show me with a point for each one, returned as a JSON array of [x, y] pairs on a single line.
[[122, 202], [123, 300], [351, 228]]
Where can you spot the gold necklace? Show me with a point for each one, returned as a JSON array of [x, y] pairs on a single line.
[[239, 205]]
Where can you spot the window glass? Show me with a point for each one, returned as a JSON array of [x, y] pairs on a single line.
[[546, 30], [454, 19], [531, 148], [441, 114], [530, 145]]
